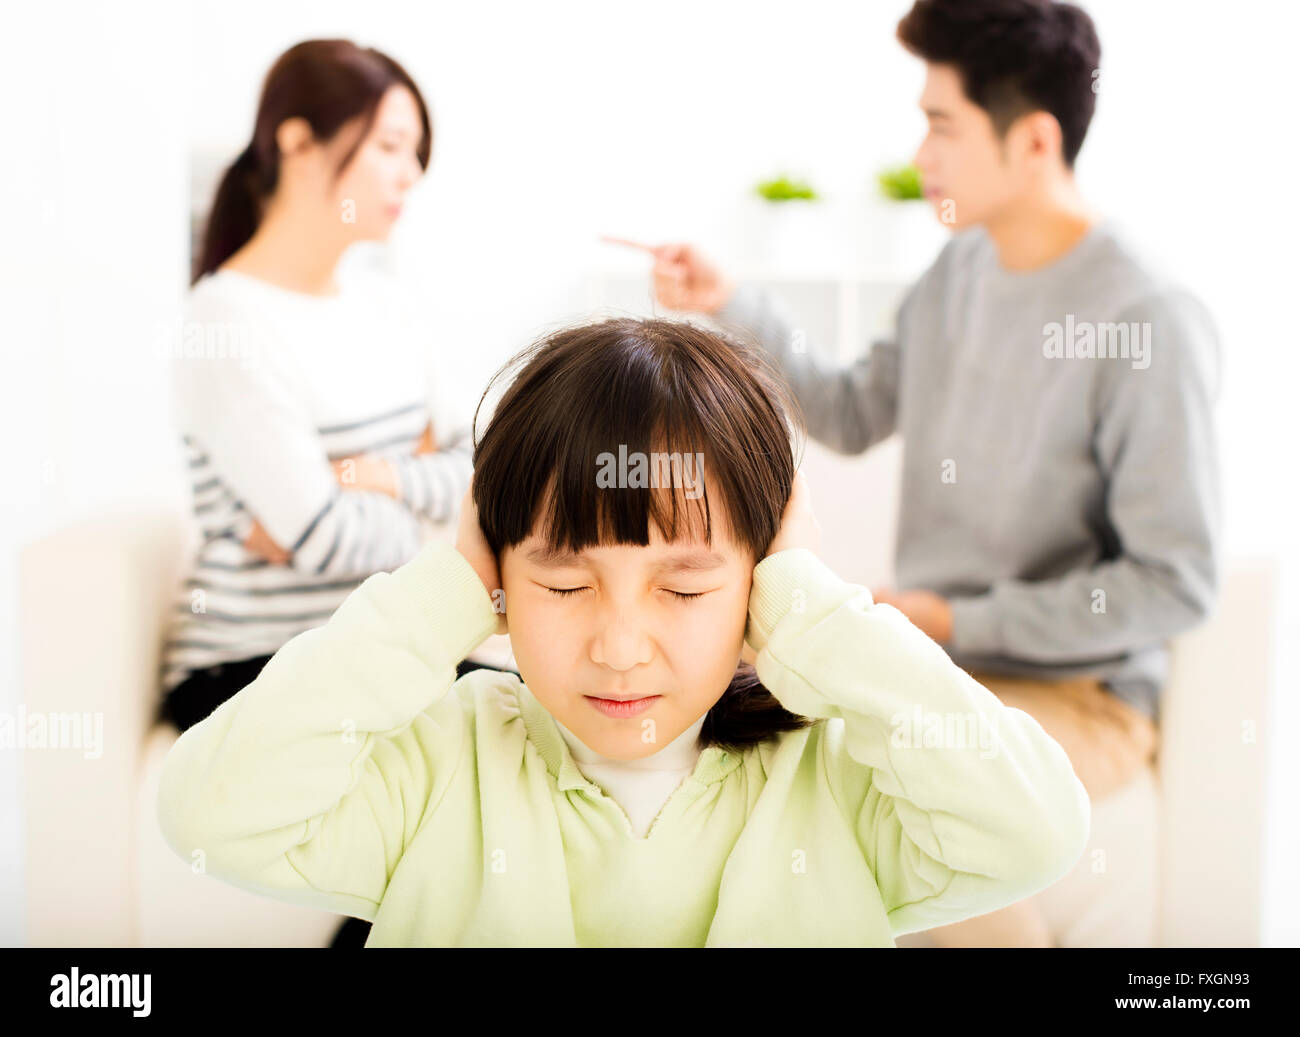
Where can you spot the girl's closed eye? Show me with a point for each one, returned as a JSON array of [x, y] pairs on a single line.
[[563, 591], [566, 591]]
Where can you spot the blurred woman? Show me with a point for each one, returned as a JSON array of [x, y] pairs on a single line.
[[302, 386], [303, 394]]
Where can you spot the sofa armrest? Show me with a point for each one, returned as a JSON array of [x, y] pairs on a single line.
[[92, 597], [1213, 763]]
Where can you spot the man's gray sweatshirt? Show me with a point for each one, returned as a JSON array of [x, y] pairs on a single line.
[[1060, 474]]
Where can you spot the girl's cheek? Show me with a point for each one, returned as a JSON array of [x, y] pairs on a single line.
[[544, 628], [711, 626]]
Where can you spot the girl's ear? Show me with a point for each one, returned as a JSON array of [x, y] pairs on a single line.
[[503, 615]]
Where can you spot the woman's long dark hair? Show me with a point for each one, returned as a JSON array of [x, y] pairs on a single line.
[[649, 386], [325, 82]]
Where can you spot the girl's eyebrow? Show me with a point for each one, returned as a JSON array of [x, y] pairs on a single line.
[[553, 558], [693, 561], [688, 561]]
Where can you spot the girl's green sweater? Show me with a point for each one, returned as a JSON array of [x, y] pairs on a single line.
[[357, 775]]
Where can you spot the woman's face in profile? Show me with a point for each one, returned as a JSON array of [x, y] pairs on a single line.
[[625, 628], [369, 195]]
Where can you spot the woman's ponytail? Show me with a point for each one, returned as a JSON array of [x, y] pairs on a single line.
[[235, 213]]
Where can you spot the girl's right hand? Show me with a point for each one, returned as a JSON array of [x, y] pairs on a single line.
[[799, 525], [473, 545]]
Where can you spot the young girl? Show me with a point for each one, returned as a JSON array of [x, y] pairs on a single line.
[[635, 517]]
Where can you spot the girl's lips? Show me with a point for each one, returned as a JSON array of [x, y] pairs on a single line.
[[629, 708]]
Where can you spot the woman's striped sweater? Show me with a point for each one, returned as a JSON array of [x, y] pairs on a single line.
[[271, 386]]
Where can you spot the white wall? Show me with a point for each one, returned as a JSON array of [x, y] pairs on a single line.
[[91, 257], [560, 121], [1195, 149]]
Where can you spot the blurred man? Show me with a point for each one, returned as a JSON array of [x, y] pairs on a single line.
[[1059, 516]]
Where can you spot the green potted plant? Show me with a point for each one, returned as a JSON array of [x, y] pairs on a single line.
[[784, 189], [900, 183]]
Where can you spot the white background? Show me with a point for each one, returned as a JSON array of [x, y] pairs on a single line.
[[557, 122]]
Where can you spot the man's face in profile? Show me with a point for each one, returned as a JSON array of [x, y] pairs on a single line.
[[968, 173]]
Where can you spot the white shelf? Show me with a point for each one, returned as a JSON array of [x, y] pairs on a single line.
[[774, 275], [857, 304]]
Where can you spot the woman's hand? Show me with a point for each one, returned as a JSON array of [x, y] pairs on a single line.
[[473, 545], [799, 525], [427, 444], [375, 473], [366, 472], [358, 472], [260, 543]]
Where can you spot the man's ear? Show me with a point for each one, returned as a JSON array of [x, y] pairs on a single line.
[[1035, 137]]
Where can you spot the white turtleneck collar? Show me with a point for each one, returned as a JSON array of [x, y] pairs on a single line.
[[641, 787], [680, 753]]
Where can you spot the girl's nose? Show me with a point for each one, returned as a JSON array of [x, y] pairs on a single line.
[[622, 644]]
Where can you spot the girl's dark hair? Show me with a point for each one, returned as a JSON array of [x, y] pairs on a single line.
[[1014, 56], [648, 386], [327, 83]]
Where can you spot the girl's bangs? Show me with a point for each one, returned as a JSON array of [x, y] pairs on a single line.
[[612, 492]]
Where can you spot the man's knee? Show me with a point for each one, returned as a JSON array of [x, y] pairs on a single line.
[[1107, 741]]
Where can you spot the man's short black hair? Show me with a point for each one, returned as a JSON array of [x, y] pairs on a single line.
[[1013, 57]]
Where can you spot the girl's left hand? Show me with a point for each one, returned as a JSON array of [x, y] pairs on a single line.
[[799, 525], [799, 528]]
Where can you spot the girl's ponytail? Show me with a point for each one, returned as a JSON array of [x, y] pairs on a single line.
[[235, 213]]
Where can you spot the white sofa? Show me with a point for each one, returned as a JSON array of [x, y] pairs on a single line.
[[1174, 861]]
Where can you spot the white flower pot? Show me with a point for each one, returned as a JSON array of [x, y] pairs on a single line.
[[903, 236], [789, 236]]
